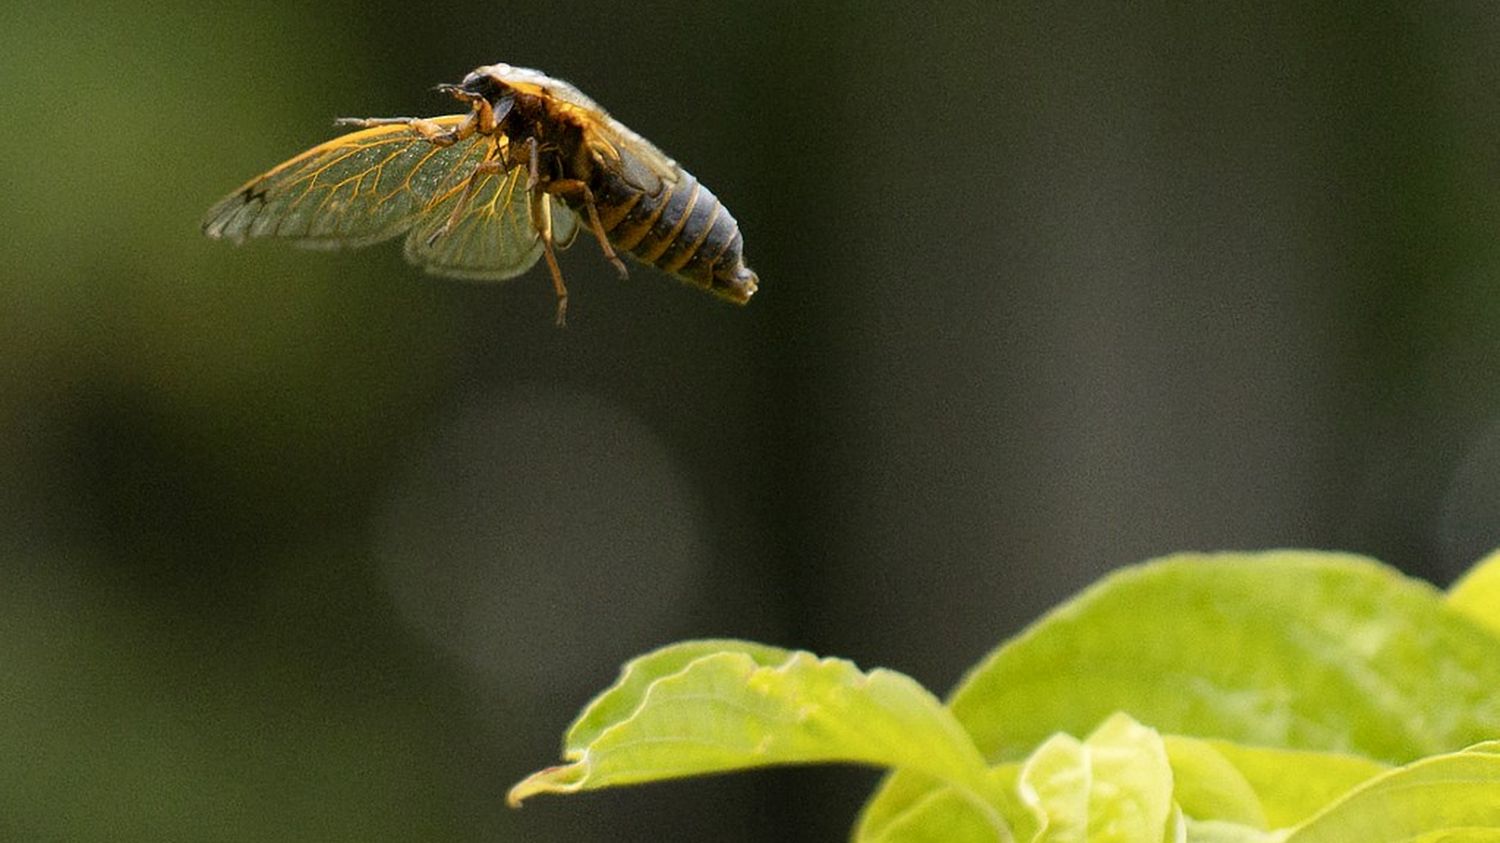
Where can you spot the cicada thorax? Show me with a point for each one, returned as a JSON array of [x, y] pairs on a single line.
[[671, 221]]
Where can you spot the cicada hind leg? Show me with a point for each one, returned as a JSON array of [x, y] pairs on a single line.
[[576, 192], [573, 192]]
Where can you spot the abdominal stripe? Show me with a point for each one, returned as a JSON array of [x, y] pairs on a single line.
[[692, 250], [671, 236], [633, 239]]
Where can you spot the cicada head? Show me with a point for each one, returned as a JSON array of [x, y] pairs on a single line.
[[496, 80]]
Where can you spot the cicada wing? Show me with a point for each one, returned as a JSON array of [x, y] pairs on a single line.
[[636, 159], [565, 225], [356, 189], [493, 237]]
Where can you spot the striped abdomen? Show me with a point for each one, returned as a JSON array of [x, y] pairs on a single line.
[[681, 227]]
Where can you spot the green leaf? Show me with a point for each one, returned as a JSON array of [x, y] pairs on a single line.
[[1055, 783], [636, 678], [1477, 594], [1219, 831], [906, 794], [1230, 793], [1292, 785], [1448, 797], [1294, 649], [727, 711], [1298, 649], [1209, 787], [1114, 786], [943, 814]]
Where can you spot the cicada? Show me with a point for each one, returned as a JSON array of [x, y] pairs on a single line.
[[483, 194]]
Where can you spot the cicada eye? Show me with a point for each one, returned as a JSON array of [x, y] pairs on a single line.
[[484, 85]]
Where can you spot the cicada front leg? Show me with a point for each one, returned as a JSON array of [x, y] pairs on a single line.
[[483, 118], [432, 132]]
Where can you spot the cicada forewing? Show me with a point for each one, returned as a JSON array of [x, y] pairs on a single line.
[[377, 183]]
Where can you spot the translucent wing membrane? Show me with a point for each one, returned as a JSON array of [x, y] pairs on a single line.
[[493, 238], [355, 189], [376, 183]]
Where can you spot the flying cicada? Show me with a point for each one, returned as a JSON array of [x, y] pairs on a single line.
[[476, 193]]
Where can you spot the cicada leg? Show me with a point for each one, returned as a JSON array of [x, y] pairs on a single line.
[[579, 190], [488, 116], [541, 220], [484, 119], [486, 167], [434, 134]]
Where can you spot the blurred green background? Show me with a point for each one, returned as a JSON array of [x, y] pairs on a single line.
[[308, 546]]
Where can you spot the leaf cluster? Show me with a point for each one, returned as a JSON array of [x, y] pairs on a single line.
[[1287, 696]]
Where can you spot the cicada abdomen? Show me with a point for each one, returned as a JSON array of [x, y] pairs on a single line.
[[671, 221]]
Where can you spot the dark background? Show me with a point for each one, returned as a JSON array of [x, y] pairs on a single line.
[[308, 546]]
